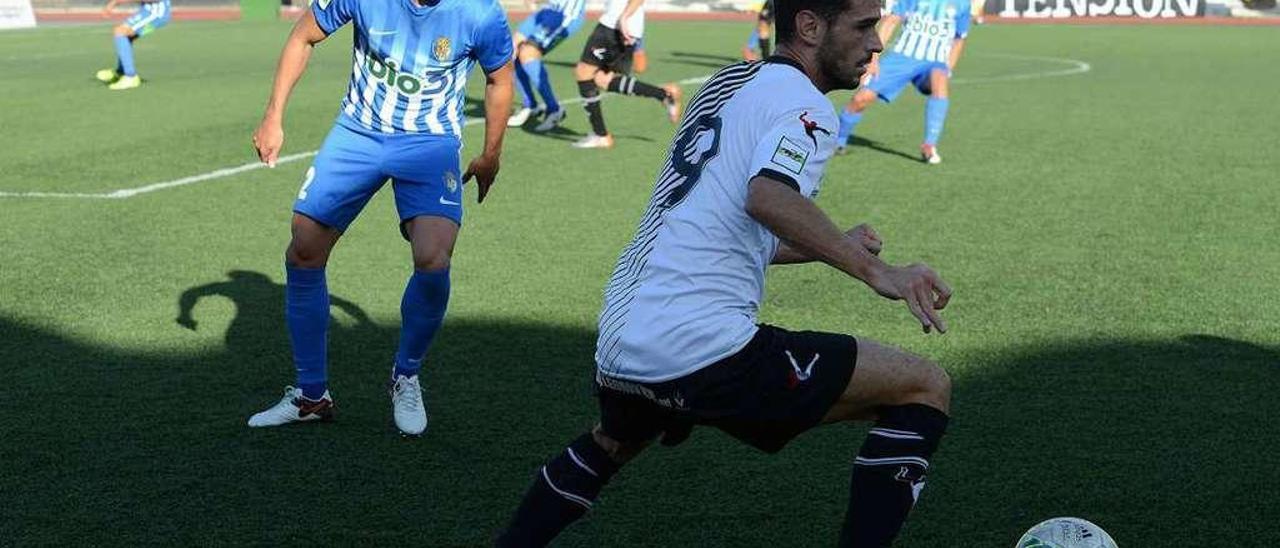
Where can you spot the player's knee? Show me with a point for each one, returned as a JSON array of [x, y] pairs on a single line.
[[584, 72], [302, 255], [528, 52], [310, 245], [603, 78], [618, 451], [122, 30], [931, 385], [430, 261]]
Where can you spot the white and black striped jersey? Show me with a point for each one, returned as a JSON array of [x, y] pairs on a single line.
[[686, 290], [613, 12]]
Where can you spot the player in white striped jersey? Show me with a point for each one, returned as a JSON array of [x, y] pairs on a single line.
[[933, 37], [605, 63], [537, 36], [679, 345], [401, 120]]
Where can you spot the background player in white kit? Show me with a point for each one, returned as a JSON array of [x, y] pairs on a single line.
[[605, 62], [679, 345]]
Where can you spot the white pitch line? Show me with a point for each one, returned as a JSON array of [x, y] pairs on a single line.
[[227, 172], [1077, 67]]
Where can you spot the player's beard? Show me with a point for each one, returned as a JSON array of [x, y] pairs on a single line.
[[838, 67]]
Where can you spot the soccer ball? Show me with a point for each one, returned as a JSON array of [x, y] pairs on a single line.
[[1066, 533]]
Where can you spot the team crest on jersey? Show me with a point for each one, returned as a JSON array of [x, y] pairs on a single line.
[[451, 181], [443, 49]]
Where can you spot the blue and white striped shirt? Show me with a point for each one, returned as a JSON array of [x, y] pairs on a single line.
[[572, 9], [929, 27], [410, 61]]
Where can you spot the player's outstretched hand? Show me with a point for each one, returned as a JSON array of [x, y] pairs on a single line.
[[485, 169], [867, 237], [627, 38], [922, 289], [268, 141]]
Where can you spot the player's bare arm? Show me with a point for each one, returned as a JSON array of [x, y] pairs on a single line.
[[269, 137], [957, 47], [888, 25], [862, 235], [807, 229], [497, 106], [632, 7]]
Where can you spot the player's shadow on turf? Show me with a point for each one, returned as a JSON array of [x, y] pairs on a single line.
[[560, 133], [143, 442], [859, 141], [1125, 433], [258, 325]]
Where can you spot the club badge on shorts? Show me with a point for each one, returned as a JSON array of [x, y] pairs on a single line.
[[451, 181]]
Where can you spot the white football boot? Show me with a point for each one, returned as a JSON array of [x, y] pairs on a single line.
[[407, 407], [521, 116], [295, 408], [594, 141], [929, 154], [552, 121]]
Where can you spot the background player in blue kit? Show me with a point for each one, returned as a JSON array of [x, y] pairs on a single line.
[[401, 119], [537, 36], [933, 36], [150, 16], [762, 35]]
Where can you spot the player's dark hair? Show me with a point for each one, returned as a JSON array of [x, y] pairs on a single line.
[[785, 14]]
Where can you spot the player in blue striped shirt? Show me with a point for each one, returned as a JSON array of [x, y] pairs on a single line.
[[933, 36], [401, 119], [151, 15], [537, 36]]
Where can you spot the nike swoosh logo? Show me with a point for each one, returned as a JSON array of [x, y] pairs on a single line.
[[313, 409], [599, 52], [381, 32], [448, 202]]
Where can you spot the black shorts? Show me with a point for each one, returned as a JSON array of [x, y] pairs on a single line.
[[780, 385], [766, 12], [605, 49]]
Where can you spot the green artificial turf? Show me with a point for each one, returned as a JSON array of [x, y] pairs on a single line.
[[1110, 235]]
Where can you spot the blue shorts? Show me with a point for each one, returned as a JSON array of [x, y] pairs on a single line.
[[352, 165], [897, 70], [546, 28], [150, 16]]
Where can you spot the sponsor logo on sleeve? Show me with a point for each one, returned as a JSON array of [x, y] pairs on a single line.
[[790, 156]]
